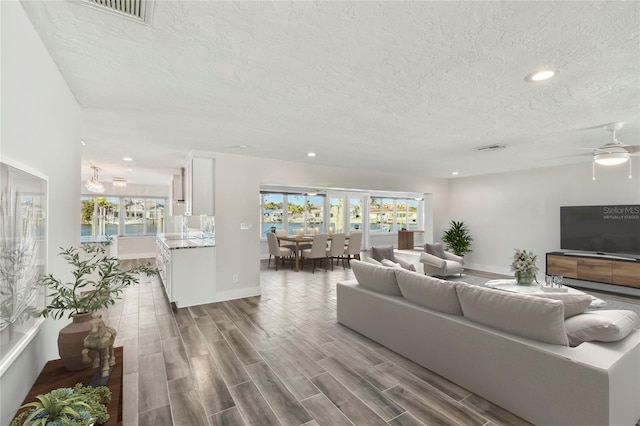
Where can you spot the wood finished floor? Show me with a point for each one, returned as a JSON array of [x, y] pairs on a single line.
[[277, 359]]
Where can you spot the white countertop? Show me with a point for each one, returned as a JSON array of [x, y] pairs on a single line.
[[187, 241]]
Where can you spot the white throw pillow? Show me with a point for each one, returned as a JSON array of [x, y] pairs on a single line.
[[532, 317], [574, 304], [600, 326], [372, 261], [432, 293], [376, 278], [390, 264]]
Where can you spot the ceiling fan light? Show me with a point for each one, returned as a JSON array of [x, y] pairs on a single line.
[[611, 158]]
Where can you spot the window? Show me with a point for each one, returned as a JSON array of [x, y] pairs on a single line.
[[134, 216], [338, 211], [100, 216], [291, 212], [381, 214], [154, 217], [315, 212], [272, 208], [355, 214], [336, 214], [407, 214], [295, 212]]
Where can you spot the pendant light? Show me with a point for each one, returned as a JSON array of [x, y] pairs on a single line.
[[119, 182], [93, 184]]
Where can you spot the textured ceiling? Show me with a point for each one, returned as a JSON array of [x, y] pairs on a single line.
[[395, 86]]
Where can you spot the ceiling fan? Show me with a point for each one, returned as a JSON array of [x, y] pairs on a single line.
[[614, 152]]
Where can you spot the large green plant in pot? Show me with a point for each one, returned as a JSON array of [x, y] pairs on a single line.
[[457, 238], [97, 283]]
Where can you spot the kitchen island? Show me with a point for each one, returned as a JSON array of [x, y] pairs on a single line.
[[187, 265]]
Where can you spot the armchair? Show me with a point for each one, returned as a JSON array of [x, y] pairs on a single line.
[[386, 252], [441, 267]]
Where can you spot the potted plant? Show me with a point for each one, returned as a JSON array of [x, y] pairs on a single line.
[[77, 406], [97, 283], [457, 238], [524, 266]]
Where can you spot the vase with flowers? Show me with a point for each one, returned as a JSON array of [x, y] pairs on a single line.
[[524, 267]]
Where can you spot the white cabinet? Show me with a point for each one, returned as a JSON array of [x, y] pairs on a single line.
[[200, 186], [163, 263], [188, 270], [193, 280]]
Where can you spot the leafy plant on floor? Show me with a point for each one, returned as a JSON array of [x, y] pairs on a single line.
[[86, 293], [77, 406], [457, 238]]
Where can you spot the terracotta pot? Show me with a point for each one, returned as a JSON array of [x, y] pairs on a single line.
[[71, 341]]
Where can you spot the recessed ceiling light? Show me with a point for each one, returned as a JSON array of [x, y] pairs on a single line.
[[455, 173], [129, 170], [311, 154], [541, 75], [243, 146], [83, 143], [127, 159]]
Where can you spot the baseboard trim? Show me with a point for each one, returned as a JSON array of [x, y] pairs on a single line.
[[238, 294]]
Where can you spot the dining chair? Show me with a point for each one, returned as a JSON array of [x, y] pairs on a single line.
[[336, 251], [318, 250], [283, 233], [353, 247], [275, 250]]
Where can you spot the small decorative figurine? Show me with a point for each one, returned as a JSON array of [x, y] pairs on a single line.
[[100, 339]]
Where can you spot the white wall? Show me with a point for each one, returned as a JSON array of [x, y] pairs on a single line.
[[40, 129], [522, 210], [238, 180]]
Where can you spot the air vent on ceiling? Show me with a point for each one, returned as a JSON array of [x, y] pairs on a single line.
[[492, 147], [138, 10]]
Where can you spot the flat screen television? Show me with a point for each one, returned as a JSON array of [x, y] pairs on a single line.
[[601, 229]]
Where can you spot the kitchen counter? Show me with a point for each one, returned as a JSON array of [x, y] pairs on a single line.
[[186, 241], [189, 276]]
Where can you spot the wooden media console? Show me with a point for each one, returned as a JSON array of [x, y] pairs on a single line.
[[625, 272]]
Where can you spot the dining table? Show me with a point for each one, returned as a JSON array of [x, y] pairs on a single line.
[[297, 240]]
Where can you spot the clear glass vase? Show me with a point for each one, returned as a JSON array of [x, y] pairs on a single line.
[[525, 277]]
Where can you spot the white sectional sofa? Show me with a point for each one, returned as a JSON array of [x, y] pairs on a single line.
[[511, 349]]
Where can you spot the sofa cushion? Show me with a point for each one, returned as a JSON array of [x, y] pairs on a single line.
[[376, 278], [372, 261], [436, 249], [532, 317], [405, 264], [383, 252], [429, 292], [389, 264], [574, 304], [601, 326]]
